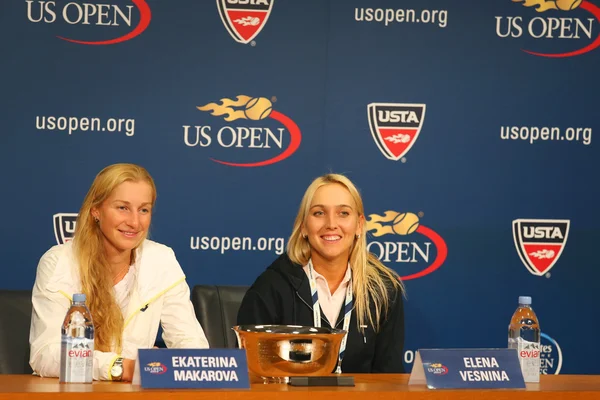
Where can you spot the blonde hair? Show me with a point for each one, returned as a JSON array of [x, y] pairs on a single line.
[[96, 281], [369, 276]]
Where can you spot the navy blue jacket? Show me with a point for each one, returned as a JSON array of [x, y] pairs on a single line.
[[281, 296]]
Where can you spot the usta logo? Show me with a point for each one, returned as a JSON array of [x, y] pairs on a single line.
[[91, 14], [244, 19], [245, 137], [64, 227], [565, 20], [540, 242], [542, 232], [395, 127]]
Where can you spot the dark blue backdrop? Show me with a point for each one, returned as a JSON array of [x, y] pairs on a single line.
[[321, 67]]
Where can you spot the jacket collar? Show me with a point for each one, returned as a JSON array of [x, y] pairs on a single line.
[[294, 274]]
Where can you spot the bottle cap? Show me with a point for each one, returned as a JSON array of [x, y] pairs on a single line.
[[526, 300], [79, 298]]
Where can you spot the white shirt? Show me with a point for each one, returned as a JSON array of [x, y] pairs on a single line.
[[331, 304], [123, 290], [158, 296]]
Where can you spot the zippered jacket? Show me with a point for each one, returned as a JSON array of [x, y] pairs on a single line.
[[160, 295], [281, 296]]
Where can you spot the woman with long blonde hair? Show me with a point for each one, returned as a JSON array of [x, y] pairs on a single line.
[[328, 278], [131, 284]]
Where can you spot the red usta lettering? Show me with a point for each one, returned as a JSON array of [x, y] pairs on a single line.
[[80, 353], [531, 353]]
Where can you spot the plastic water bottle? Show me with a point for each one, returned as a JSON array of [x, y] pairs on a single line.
[[77, 344], [524, 336]]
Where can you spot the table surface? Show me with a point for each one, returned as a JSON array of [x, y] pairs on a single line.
[[368, 386]]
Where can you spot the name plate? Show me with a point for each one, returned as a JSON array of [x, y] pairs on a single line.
[[467, 368], [193, 368]]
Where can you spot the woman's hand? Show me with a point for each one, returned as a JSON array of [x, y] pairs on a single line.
[[128, 368]]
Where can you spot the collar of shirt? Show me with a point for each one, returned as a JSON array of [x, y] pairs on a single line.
[[331, 303]]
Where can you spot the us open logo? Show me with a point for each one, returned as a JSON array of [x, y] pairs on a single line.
[[156, 368], [93, 18], [395, 127], [571, 25], [540, 242], [244, 19], [437, 369], [64, 227], [401, 238], [261, 135], [551, 357]]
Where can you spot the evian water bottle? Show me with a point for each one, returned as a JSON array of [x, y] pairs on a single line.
[[524, 336], [77, 344]]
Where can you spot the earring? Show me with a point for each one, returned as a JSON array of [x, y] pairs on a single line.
[[96, 219], [304, 236], [358, 236]]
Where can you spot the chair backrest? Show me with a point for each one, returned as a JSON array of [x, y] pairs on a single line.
[[15, 321], [216, 308]]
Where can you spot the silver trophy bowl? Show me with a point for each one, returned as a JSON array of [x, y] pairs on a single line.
[[276, 352]]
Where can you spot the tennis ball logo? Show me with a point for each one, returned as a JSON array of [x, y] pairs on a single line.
[[405, 223], [545, 5], [392, 222], [567, 5], [243, 107], [258, 108]]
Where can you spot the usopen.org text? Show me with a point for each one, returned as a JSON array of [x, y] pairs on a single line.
[[85, 124], [533, 134], [225, 244], [389, 16]]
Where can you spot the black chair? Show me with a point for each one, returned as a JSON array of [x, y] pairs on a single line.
[[15, 321], [216, 308]]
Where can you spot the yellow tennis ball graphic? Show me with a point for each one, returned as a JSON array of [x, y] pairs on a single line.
[[567, 5], [258, 108], [405, 223]]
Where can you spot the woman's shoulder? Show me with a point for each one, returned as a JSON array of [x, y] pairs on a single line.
[[156, 268], [150, 247], [57, 264], [279, 275], [158, 260], [50, 259], [51, 255]]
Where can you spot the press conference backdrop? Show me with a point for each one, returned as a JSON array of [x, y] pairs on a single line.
[[468, 127]]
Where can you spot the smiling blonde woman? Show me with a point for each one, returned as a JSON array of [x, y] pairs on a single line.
[[328, 278], [132, 284]]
